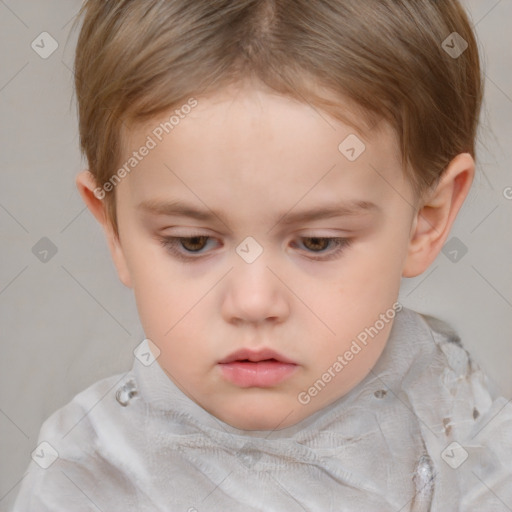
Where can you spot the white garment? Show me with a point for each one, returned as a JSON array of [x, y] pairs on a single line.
[[376, 449]]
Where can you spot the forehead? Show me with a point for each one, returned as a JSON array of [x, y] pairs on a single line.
[[268, 144], [251, 104]]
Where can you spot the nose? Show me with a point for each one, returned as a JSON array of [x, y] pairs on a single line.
[[255, 293]]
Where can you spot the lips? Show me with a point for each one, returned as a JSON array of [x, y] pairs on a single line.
[[255, 356], [262, 368]]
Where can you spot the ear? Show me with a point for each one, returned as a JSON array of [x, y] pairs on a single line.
[[87, 186], [436, 214]]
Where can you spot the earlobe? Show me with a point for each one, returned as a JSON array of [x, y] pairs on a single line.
[[86, 185], [435, 217]]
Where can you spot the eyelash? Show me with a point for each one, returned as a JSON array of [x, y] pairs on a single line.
[[171, 243]]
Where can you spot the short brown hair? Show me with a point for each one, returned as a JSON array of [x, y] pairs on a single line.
[[136, 59]]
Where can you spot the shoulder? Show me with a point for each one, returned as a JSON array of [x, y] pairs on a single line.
[[79, 418], [444, 373], [69, 449], [466, 424], [453, 373]]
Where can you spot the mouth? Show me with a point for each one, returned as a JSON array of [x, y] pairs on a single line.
[[264, 368]]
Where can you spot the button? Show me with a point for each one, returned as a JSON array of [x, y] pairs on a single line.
[[126, 392]]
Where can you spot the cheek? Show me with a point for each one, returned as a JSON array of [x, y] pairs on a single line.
[[367, 286], [169, 306], [166, 313], [159, 292], [382, 259], [373, 272]]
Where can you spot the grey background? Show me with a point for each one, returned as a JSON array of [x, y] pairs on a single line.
[[68, 322]]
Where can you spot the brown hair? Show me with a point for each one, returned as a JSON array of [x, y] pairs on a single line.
[[136, 59]]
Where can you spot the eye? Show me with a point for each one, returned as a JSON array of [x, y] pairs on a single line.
[[319, 245], [191, 244], [186, 248]]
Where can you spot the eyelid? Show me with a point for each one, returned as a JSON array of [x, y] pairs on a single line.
[[170, 243]]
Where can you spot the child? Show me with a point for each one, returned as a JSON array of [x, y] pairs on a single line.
[[265, 173]]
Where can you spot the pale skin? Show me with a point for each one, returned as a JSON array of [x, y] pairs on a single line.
[[254, 156]]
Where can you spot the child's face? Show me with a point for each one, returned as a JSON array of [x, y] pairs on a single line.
[[257, 161]]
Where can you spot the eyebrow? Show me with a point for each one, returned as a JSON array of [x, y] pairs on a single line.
[[182, 209]]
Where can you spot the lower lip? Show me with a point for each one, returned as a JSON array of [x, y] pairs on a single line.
[[262, 374]]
